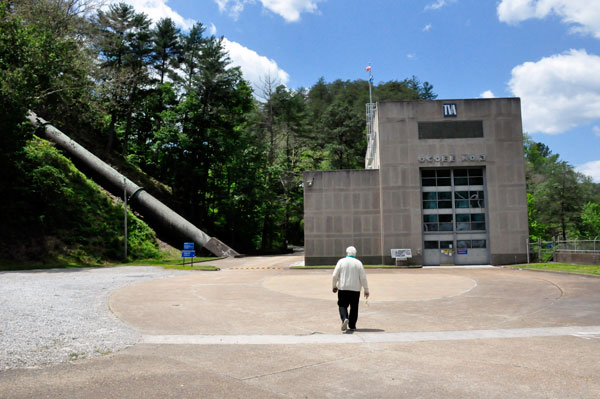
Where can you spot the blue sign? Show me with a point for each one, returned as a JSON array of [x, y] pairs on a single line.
[[188, 254], [461, 251], [449, 110], [188, 245]]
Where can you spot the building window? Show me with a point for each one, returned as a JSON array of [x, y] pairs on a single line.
[[478, 244], [436, 178], [469, 199], [470, 244], [432, 245], [470, 221], [468, 177], [437, 222], [445, 244], [437, 200]]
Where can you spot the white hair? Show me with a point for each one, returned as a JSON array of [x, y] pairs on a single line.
[[351, 251]]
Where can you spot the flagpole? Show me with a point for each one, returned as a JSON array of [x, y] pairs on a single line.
[[370, 83]]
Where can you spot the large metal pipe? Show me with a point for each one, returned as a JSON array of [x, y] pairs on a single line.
[[142, 201]]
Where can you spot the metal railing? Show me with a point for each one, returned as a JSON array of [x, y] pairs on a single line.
[[371, 137], [545, 251]]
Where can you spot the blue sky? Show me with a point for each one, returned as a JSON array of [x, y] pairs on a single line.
[[545, 51]]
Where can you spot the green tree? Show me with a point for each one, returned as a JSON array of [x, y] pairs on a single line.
[[557, 194], [200, 143], [166, 48], [590, 221], [343, 138], [125, 49], [560, 197]]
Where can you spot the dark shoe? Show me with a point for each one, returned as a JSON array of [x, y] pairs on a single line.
[[345, 325]]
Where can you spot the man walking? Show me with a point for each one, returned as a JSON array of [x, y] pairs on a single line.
[[348, 278]]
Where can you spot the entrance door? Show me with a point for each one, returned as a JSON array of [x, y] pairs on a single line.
[[455, 222], [439, 251]]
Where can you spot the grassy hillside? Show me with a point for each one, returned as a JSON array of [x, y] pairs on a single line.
[[57, 215]]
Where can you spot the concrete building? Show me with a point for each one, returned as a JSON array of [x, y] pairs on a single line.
[[445, 179]]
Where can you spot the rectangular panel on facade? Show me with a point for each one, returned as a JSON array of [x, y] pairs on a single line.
[[450, 130]]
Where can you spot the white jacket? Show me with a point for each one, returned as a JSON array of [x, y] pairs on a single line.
[[349, 275]]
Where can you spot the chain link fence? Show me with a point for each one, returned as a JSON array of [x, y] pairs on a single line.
[[545, 251]]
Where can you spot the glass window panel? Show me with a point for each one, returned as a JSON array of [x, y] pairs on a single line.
[[445, 226], [460, 172], [461, 181], [430, 218], [477, 217], [463, 244], [463, 217], [462, 204], [475, 172], [478, 244], [428, 173], [478, 226], [480, 194], [475, 181], [428, 182], [432, 244], [431, 195], [445, 195], [431, 227], [445, 218], [445, 244], [443, 182], [476, 204], [429, 204], [443, 173], [445, 204], [463, 226], [461, 194]]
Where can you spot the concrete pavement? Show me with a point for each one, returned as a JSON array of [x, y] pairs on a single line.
[[275, 333]]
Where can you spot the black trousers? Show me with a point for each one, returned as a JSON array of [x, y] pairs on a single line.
[[345, 299]]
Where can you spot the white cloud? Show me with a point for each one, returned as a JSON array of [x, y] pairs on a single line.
[[427, 28], [255, 67], [411, 56], [436, 5], [487, 94], [233, 7], [582, 15], [157, 9], [596, 131], [289, 10], [212, 29], [591, 169], [558, 93]]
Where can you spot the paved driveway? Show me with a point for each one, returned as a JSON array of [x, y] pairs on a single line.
[[259, 330]]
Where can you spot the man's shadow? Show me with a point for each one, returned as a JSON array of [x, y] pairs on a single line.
[[364, 330]]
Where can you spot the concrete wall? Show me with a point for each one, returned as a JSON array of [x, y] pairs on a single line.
[[578, 258], [341, 208]]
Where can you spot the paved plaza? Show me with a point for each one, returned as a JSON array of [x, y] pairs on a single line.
[[258, 329]]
